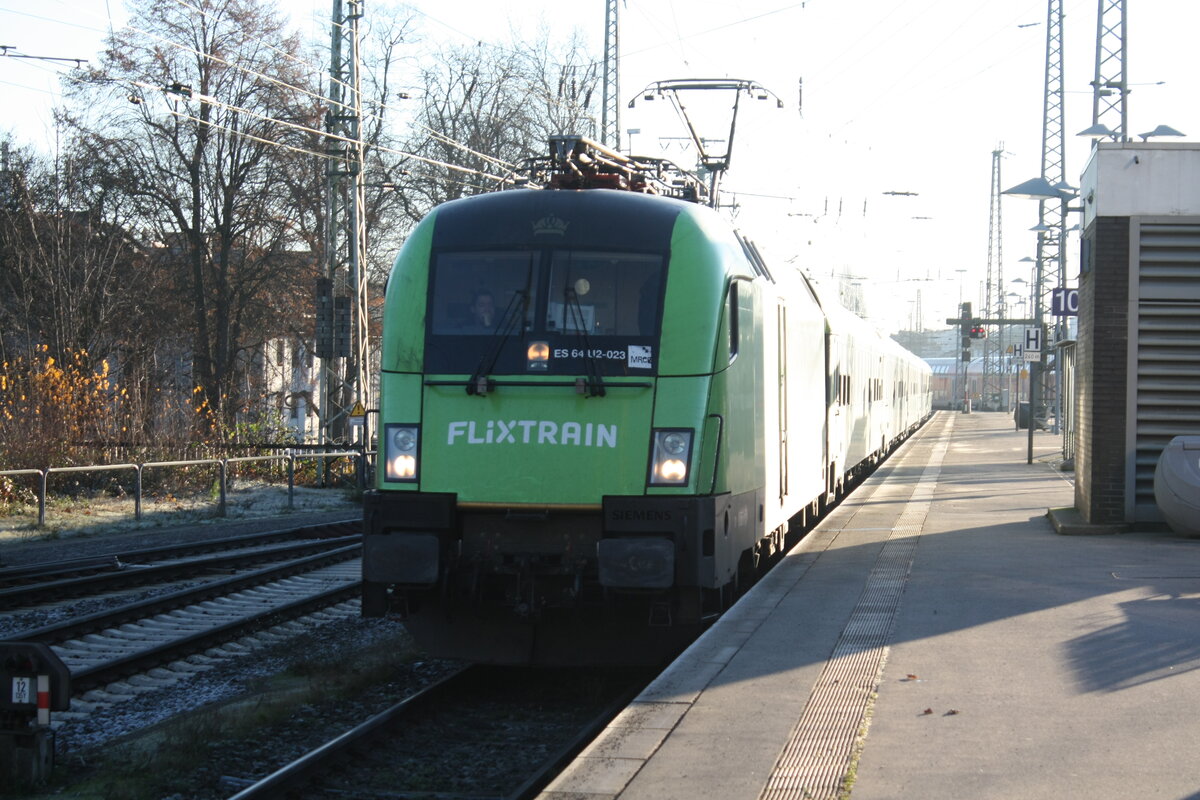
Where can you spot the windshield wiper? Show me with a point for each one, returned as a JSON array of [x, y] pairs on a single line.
[[514, 315], [593, 385]]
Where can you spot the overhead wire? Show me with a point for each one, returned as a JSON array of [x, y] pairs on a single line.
[[502, 49], [717, 28], [816, 74], [1038, 43], [326, 156], [301, 90], [283, 84], [27, 87], [316, 132], [912, 66], [371, 116], [320, 97]]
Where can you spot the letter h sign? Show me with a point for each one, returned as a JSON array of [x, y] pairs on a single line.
[[1033, 340]]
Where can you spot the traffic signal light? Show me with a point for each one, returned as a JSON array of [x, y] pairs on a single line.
[[978, 331]]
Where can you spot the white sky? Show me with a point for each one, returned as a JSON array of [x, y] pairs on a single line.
[[899, 95]]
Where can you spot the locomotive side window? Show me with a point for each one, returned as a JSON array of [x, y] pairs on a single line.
[[732, 310], [604, 294], [475, 293]]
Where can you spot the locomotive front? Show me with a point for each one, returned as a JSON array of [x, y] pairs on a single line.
[[546, 371]]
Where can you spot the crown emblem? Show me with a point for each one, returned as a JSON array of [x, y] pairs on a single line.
[[550, 224]]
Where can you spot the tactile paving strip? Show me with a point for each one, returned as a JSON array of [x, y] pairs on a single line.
[[818, 754]]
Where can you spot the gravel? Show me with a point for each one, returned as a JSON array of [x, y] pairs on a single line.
[[234, 677], [104, 734], [100, 733]]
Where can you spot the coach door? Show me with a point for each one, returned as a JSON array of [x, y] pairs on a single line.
[[781, 350]]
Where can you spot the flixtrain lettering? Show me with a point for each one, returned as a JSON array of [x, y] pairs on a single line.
[[531, 431]]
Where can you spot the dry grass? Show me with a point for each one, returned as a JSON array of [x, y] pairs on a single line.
[[102, 513]]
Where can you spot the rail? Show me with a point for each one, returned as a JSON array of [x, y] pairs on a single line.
[[222, 467]]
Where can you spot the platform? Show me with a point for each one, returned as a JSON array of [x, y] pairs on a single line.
[[933, 638]]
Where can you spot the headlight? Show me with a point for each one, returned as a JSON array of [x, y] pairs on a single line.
[[401, 452], [670, 456], [537, 356], [676, 443]]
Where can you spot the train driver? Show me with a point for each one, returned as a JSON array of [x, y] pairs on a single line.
[[483, 313]]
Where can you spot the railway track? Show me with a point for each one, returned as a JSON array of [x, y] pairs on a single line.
[[128, 577], [479, 732], [33, 584], [112, 645]]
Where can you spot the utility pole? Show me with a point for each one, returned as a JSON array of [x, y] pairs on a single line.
[[1109, 88], [994, 382], [610, 114], [342, 311], [1052, 216]]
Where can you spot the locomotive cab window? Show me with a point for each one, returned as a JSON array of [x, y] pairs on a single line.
[[480, 293], [604, 294]]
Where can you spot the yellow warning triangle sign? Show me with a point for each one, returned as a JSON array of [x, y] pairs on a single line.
[[358, 410]]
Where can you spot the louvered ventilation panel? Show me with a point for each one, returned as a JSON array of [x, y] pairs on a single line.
[[1167, 402]]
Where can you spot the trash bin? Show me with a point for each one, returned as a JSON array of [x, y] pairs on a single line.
[[1177, 484], [1021, 416]]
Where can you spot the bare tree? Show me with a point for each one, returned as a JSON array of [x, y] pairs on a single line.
[[485, 109], [73, 276], [198, 114]]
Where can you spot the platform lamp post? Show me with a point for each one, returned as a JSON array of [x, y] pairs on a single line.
[[1041, 190]]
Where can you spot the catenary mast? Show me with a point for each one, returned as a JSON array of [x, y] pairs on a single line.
[[610, 114], [342, 339]]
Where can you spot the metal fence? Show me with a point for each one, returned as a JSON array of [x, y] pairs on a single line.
[[221, 466]]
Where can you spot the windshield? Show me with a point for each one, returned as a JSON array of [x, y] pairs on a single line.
[[473, 291], [606, 294], [601, 307]]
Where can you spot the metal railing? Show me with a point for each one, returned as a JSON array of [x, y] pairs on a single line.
[[360, 457]]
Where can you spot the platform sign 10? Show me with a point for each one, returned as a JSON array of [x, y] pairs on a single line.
[[1064, 303]]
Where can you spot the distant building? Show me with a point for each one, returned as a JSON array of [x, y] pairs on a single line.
[[948, 390], [930, 344], [285, 376]]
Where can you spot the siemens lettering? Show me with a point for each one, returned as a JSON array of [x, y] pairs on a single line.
[[532, 431]]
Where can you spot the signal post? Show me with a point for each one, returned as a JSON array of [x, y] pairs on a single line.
[[971, 327]]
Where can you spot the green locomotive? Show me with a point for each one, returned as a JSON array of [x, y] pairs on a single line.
[[599, 413]]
